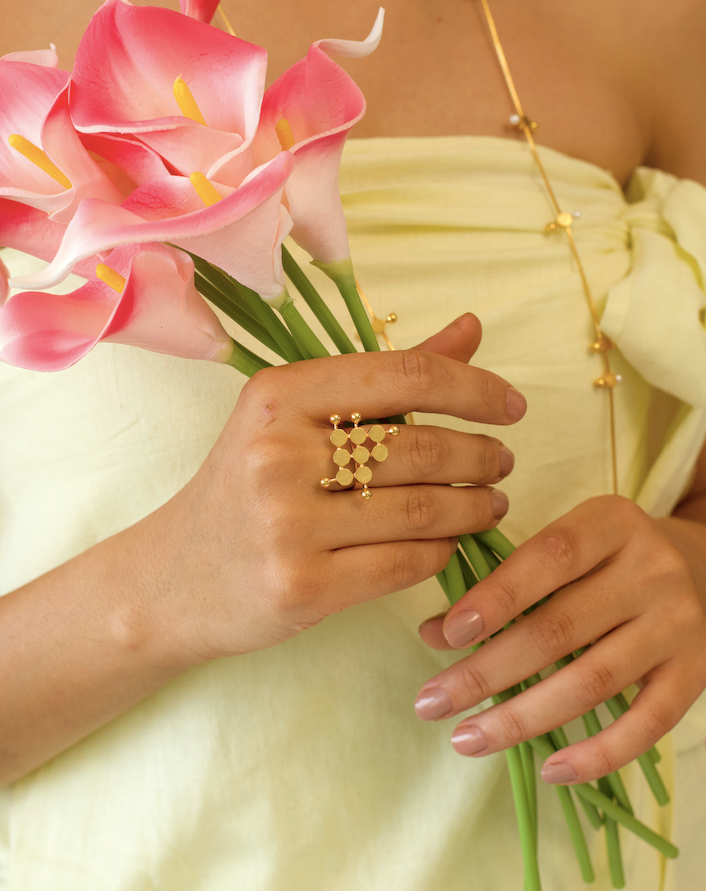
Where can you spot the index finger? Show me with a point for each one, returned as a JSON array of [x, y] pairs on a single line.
[[381, 385]]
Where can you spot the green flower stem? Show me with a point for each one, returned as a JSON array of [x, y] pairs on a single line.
[[468, 575], [614, 780], [527, 755], [496, 541], [615, 860], [490, 558], [245, 361], [577, 837], [237, 313], [475, 557], [441, 579], [301, 332], [253, 304], [544, 749], [558, 737], [341, 272], [454, 577], [524, 819], [328, 320]]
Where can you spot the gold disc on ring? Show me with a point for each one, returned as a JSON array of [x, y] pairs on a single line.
[[339, 438], [341, 457], [380, 452], [358, 435], [361, 455], [364, 475], [344, 477], [377, 433]]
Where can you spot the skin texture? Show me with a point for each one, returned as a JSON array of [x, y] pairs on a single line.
[[601, 79]]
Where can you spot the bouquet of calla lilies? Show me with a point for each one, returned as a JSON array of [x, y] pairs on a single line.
[[161, 172]]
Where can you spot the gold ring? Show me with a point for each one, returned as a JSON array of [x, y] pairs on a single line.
[[359, 454]]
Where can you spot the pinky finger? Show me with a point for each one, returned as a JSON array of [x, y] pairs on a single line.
[[653, 713], [365, 572]]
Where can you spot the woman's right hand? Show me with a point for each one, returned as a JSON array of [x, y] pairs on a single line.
[[253, 550]]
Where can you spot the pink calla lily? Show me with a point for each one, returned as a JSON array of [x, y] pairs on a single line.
[[31, 231], [127, 163], [203, 10], [159, 310], [123, 83], [242, 233], [34, 105], [321, 104], [47, 57]]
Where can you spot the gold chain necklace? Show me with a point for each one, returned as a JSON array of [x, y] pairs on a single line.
[[601, 344]]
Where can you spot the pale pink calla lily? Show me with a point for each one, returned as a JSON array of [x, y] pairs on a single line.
[[203, 10], [46, 57], [242, 233], [159, 310], [34, 105], [321, 104], [123, 82], [127, 163], [31, 231]]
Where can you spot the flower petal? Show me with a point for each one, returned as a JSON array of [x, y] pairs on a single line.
[[46, 57], [203, 10], [4, 286], [355, 49], [159, 310], [240, 233]]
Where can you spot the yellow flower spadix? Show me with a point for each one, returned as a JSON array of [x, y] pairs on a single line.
[[38, 157], [186, 102], [204, 189], [284, 134], [110, 277]]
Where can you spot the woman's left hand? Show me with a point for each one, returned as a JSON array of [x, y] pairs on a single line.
[[631, 588]]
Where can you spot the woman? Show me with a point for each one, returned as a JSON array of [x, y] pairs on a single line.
[[301, 766]]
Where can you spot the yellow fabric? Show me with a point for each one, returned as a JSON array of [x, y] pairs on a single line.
[[303, 767]]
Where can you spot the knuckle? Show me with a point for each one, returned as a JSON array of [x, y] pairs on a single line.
[[420, 509], [656, 723], [513, 727], [404, 567], [491, 392], [597, 685], [474, 682], [299, 599], [265, 455], [425, 453], [553, 634], [604, 763], [414, 371], [505, 598], [560, 547]]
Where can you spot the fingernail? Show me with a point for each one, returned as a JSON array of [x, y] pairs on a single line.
[[500, 503], [507, 461], [516, 404], [464, 627], [432, 704], [469, 740], [560, 772]]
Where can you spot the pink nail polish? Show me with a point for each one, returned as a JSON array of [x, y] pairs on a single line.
[[515, 405], [432, 704], [560, 772], [464, 627], [469, 740], [500, 503]]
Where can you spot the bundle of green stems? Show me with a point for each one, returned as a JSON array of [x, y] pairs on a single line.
[[605, 804]]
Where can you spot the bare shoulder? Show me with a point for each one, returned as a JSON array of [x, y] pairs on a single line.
[[673, 40]]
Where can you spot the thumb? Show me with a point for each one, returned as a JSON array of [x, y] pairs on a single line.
[[459, 340]]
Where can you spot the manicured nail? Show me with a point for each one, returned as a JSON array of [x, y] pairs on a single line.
[[516, 404], [559, 772], [464, 627], [432, 704], [507, 461], [469, 740], [500, 503]]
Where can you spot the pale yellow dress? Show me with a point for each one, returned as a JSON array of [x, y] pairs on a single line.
[[303, 767]]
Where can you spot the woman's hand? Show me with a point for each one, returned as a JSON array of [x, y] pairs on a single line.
[[254, 550], [631, 588]]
